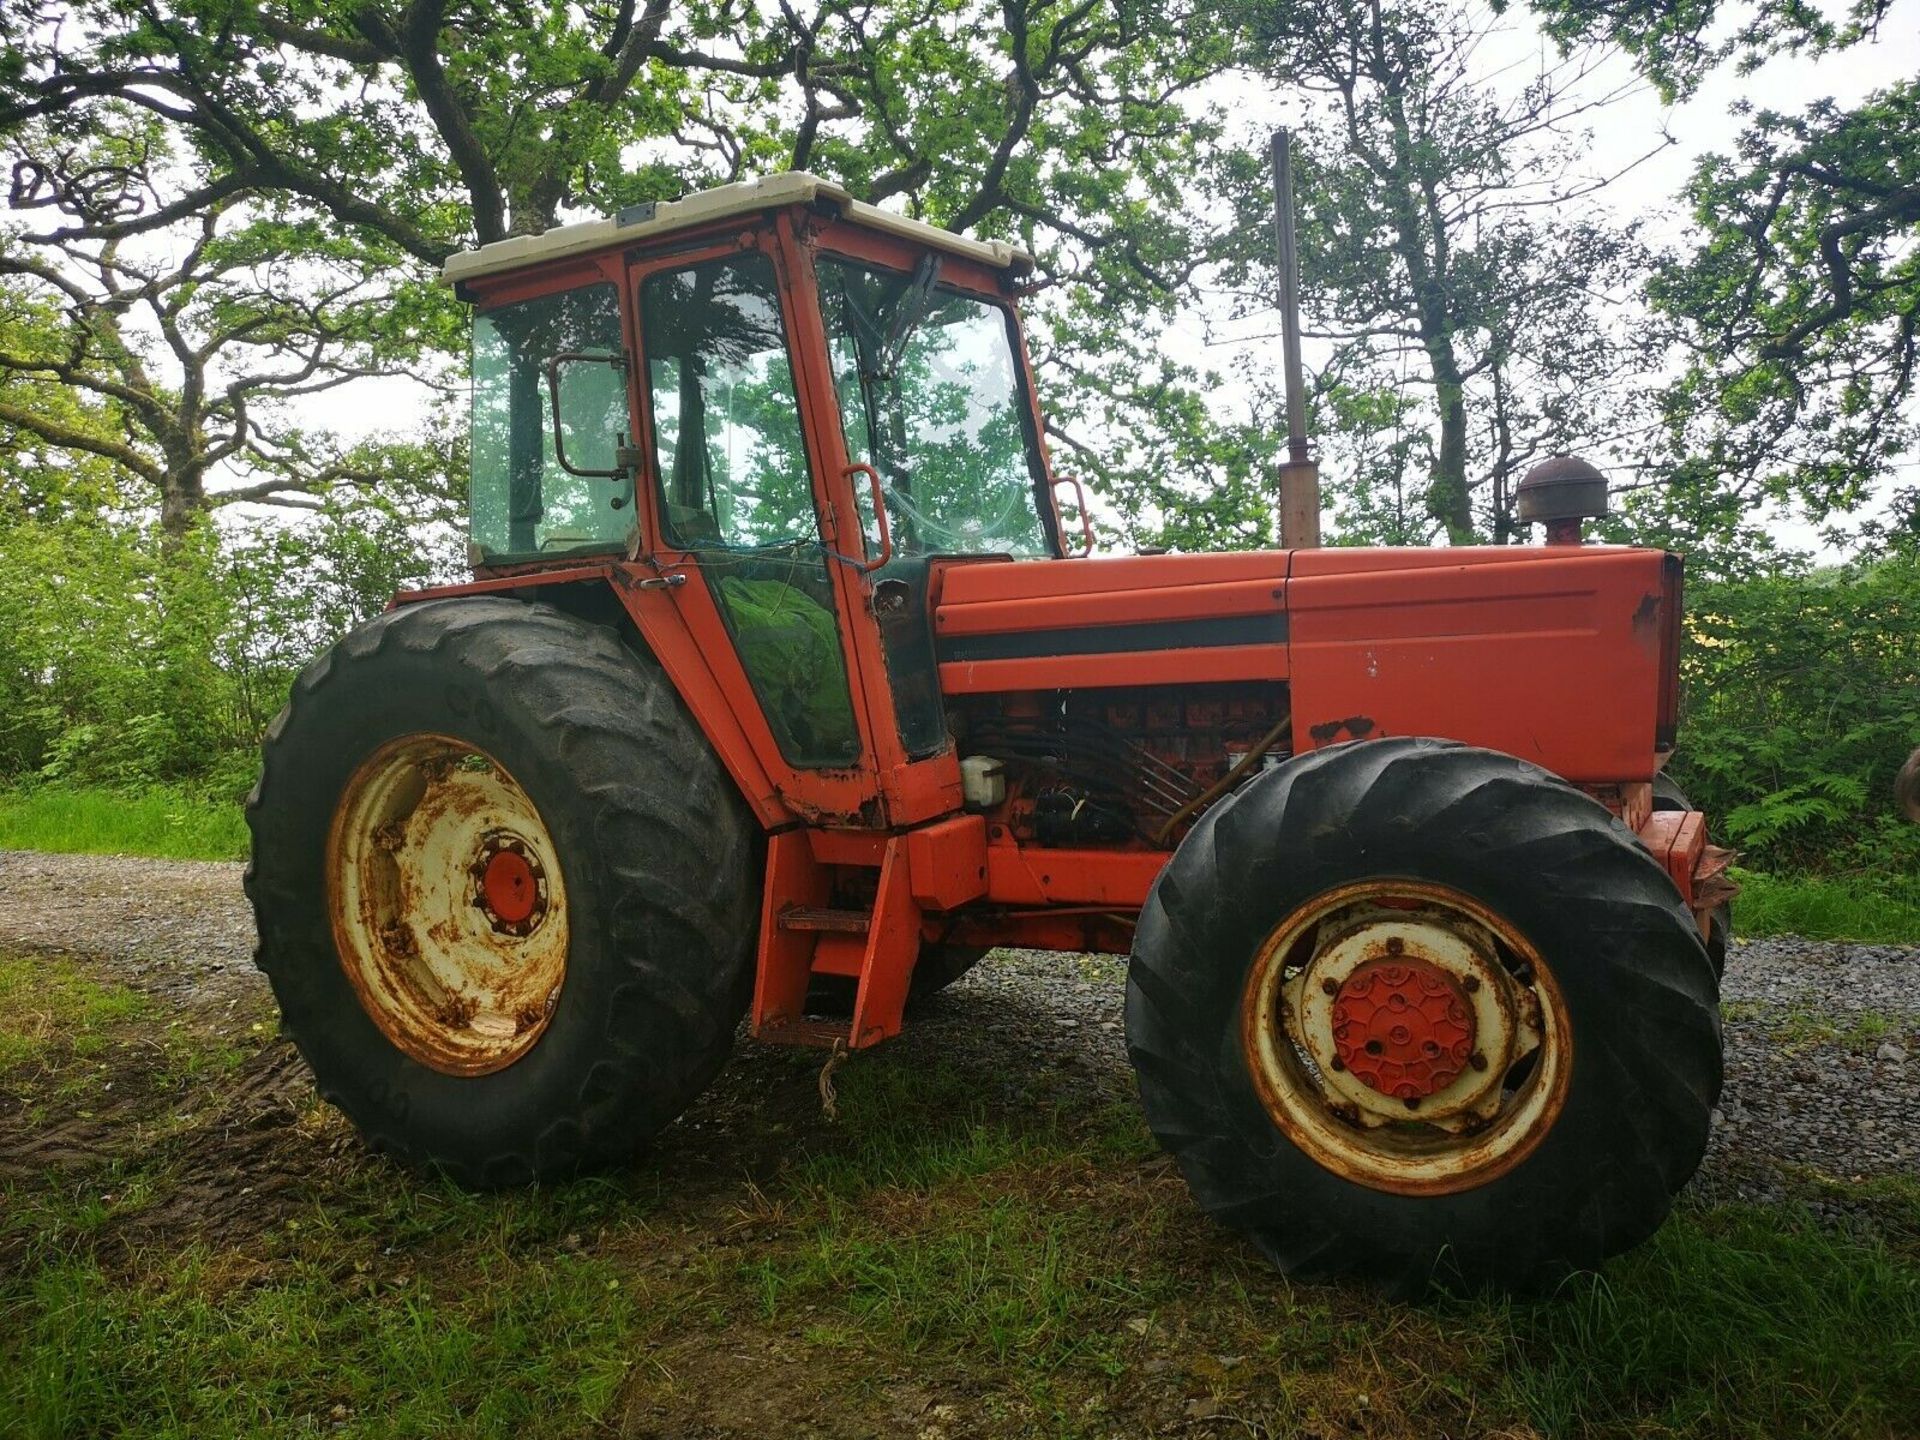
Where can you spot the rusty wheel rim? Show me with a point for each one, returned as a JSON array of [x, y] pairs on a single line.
[[449, 909], [1406, 1037]]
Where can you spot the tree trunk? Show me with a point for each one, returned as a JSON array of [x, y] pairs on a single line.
[[1447, 499], [181, 500]]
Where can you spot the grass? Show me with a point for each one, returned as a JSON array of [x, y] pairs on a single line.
[[46, 1003], [1799, 1027], [1879, 909], [938, 1261], [1022, 1269], [165, 823], [520, 1348]]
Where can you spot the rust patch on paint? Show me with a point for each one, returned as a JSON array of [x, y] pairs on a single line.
[[1354, 727]]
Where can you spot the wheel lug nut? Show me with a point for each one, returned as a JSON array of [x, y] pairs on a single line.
[[1330, 986], [1470, 984], [1336, 1063], [1413, 1102], [1478, 1061], [1395, 945]]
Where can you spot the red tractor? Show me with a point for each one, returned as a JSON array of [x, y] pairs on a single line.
[[781, 689]]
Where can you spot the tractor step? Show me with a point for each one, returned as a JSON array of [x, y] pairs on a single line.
[[805, 938], [817, 1034], [818, 917]]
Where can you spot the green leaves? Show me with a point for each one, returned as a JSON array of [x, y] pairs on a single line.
[[401, 132], [1797, 303], [1802, 699], [1449, 259], [1802, 302]]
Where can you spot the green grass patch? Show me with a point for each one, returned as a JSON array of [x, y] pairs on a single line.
[[164, 823], [48, 1003], [1797, 1028], [1745, 1321], [1739, 1322], [209, 1348], [1880, 909], [1023, 1268], [922, 1127]]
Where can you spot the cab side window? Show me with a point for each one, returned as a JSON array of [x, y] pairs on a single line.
[[523, 502], [727, 437]]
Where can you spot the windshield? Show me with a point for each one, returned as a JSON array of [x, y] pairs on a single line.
[[930, 396]]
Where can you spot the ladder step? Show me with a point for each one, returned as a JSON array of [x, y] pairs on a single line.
[[839, 955], [820, 1034], [816, 917]]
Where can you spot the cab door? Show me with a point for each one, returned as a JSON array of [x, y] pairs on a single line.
[[742, 525], [927, 424], [826, 422]]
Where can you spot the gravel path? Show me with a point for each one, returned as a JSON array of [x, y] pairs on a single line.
[[1822, 1039], [177, 928]]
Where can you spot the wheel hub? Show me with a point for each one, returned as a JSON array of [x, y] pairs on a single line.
[[449, 904], [1402, 1028], [1405, 1036], [510, 886]]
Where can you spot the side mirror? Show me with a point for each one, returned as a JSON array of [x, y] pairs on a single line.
[[594, 414]]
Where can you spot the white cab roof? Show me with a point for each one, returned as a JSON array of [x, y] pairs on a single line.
[[643, 222]]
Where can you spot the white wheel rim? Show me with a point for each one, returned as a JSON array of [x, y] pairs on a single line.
[[449, 907], [1409, 1122]]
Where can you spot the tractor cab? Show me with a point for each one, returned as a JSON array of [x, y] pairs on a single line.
[[784, 403]]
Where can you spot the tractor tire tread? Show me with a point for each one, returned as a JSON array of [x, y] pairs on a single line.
[[613, 717]]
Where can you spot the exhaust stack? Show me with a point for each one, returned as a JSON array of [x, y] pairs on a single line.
[[1300, 475]]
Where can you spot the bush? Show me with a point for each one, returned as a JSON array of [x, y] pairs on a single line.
[[1802, 698], [131, 661]]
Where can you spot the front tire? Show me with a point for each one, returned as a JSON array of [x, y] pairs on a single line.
[[505, 893], [1403, 921]]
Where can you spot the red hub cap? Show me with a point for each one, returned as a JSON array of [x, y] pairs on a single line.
[[511, 889], [1402, 1028]]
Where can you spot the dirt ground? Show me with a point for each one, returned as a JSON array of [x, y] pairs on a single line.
[[1822, 1082]]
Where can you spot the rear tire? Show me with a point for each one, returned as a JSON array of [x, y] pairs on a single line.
[[1637, 1067], [624, 799]]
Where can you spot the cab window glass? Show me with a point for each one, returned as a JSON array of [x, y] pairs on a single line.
[[731, 462], [930, 395], [521, 501], [727, 437]]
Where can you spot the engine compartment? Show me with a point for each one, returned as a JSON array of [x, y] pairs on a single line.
[[1128, 767]]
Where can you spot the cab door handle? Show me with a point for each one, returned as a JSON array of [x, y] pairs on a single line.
[[1086, 515], [879, 515]]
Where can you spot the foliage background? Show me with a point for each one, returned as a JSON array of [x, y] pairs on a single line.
[[1802, 698], [219, 209]]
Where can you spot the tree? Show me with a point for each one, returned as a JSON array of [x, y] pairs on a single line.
[[184, 348], [1444, 247], [435, 124], [1800, 301]]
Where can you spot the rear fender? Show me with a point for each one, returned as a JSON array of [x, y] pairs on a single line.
[[632, 599]]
